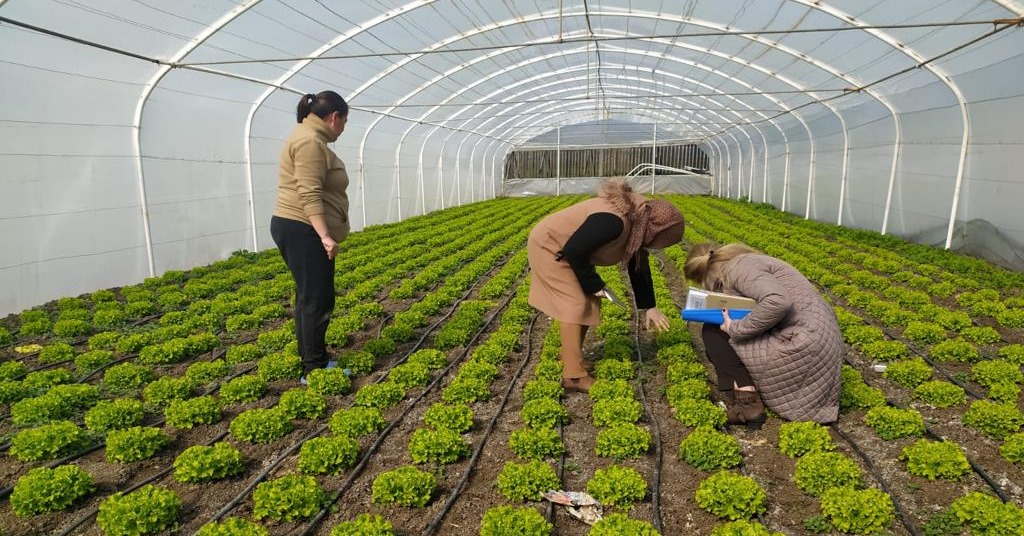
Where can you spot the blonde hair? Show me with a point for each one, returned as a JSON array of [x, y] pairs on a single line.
[[704, 264]]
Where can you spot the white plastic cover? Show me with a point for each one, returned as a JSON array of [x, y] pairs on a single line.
[[132, 159]]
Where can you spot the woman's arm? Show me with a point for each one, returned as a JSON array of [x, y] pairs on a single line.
[[641, 280], [773, 303], [597, 230]]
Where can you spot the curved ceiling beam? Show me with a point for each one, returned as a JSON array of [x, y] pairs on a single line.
[[647, 53], [140, 107], [564, 53], [938, 73]]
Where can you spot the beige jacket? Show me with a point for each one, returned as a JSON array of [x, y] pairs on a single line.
[[790, 342], [313, 179]]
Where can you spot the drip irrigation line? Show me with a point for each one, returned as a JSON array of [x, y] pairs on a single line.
[[380, 378], [358, 469], [967, 389], [93, 511], [561, 472], [266, 472], [461, 484], [656, 480], [881, 479], [913, 348], [159, 422], [974, 466]]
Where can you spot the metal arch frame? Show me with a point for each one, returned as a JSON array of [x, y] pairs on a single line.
[[938, 73], [785, 80], [686, 62], [320, 51], [769, 43], [676, 76], [140, 107], [519, 65], [419, 3], [586, 112], [803, 57]]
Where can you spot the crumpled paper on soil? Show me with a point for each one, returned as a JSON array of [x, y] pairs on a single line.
[[580, 505]]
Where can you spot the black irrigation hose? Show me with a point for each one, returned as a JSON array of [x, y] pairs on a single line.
[[265, 472], [214, 355], [975, 467], [561, 473], [153, 478], [656, 480], [913, 348], [461, 484], [358, 469], [259, 478], [93, 448], [881, 480]]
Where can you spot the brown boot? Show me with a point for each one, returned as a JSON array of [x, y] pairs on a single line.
[[747, 409], [580, 385]]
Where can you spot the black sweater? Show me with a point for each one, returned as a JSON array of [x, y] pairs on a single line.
[[597, 230]]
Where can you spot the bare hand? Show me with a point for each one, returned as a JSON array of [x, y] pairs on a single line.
[[726, 321], [330, 246], [656, 319]]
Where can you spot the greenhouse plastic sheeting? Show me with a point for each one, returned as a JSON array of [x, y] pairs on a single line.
[[139, 137]]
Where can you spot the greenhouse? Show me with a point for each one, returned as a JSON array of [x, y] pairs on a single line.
[[282, 267]]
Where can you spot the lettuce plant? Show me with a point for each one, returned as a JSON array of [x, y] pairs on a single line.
[[624, 440], [328, 455], [527, 481], [455, 417], [288, 498], [405, 486], [260, 425], [940, 394], [893, 423], [611, 411], [440, 446], [357, 421], [186, 414], [617, 486], [44, 490], [994, 420], [536, 443], [707, 449], [818, 472], [135, 443], [233, 526], [908, 373], [731, 496], [148, 510], [935, 459], [866, 511], [201, 463], [511, 521]]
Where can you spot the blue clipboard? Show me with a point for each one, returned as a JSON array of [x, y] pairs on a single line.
[[712, 316]]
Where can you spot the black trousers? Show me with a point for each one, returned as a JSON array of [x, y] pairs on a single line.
[[723, 356], [314, 286]]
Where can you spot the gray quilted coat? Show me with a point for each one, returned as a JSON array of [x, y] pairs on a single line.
[[790, 342]]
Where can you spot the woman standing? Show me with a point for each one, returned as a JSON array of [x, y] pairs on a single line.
[[564, 247], [788, 351], [311, 218]]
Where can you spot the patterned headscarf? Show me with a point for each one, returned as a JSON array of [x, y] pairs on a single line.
[[657, 224]]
